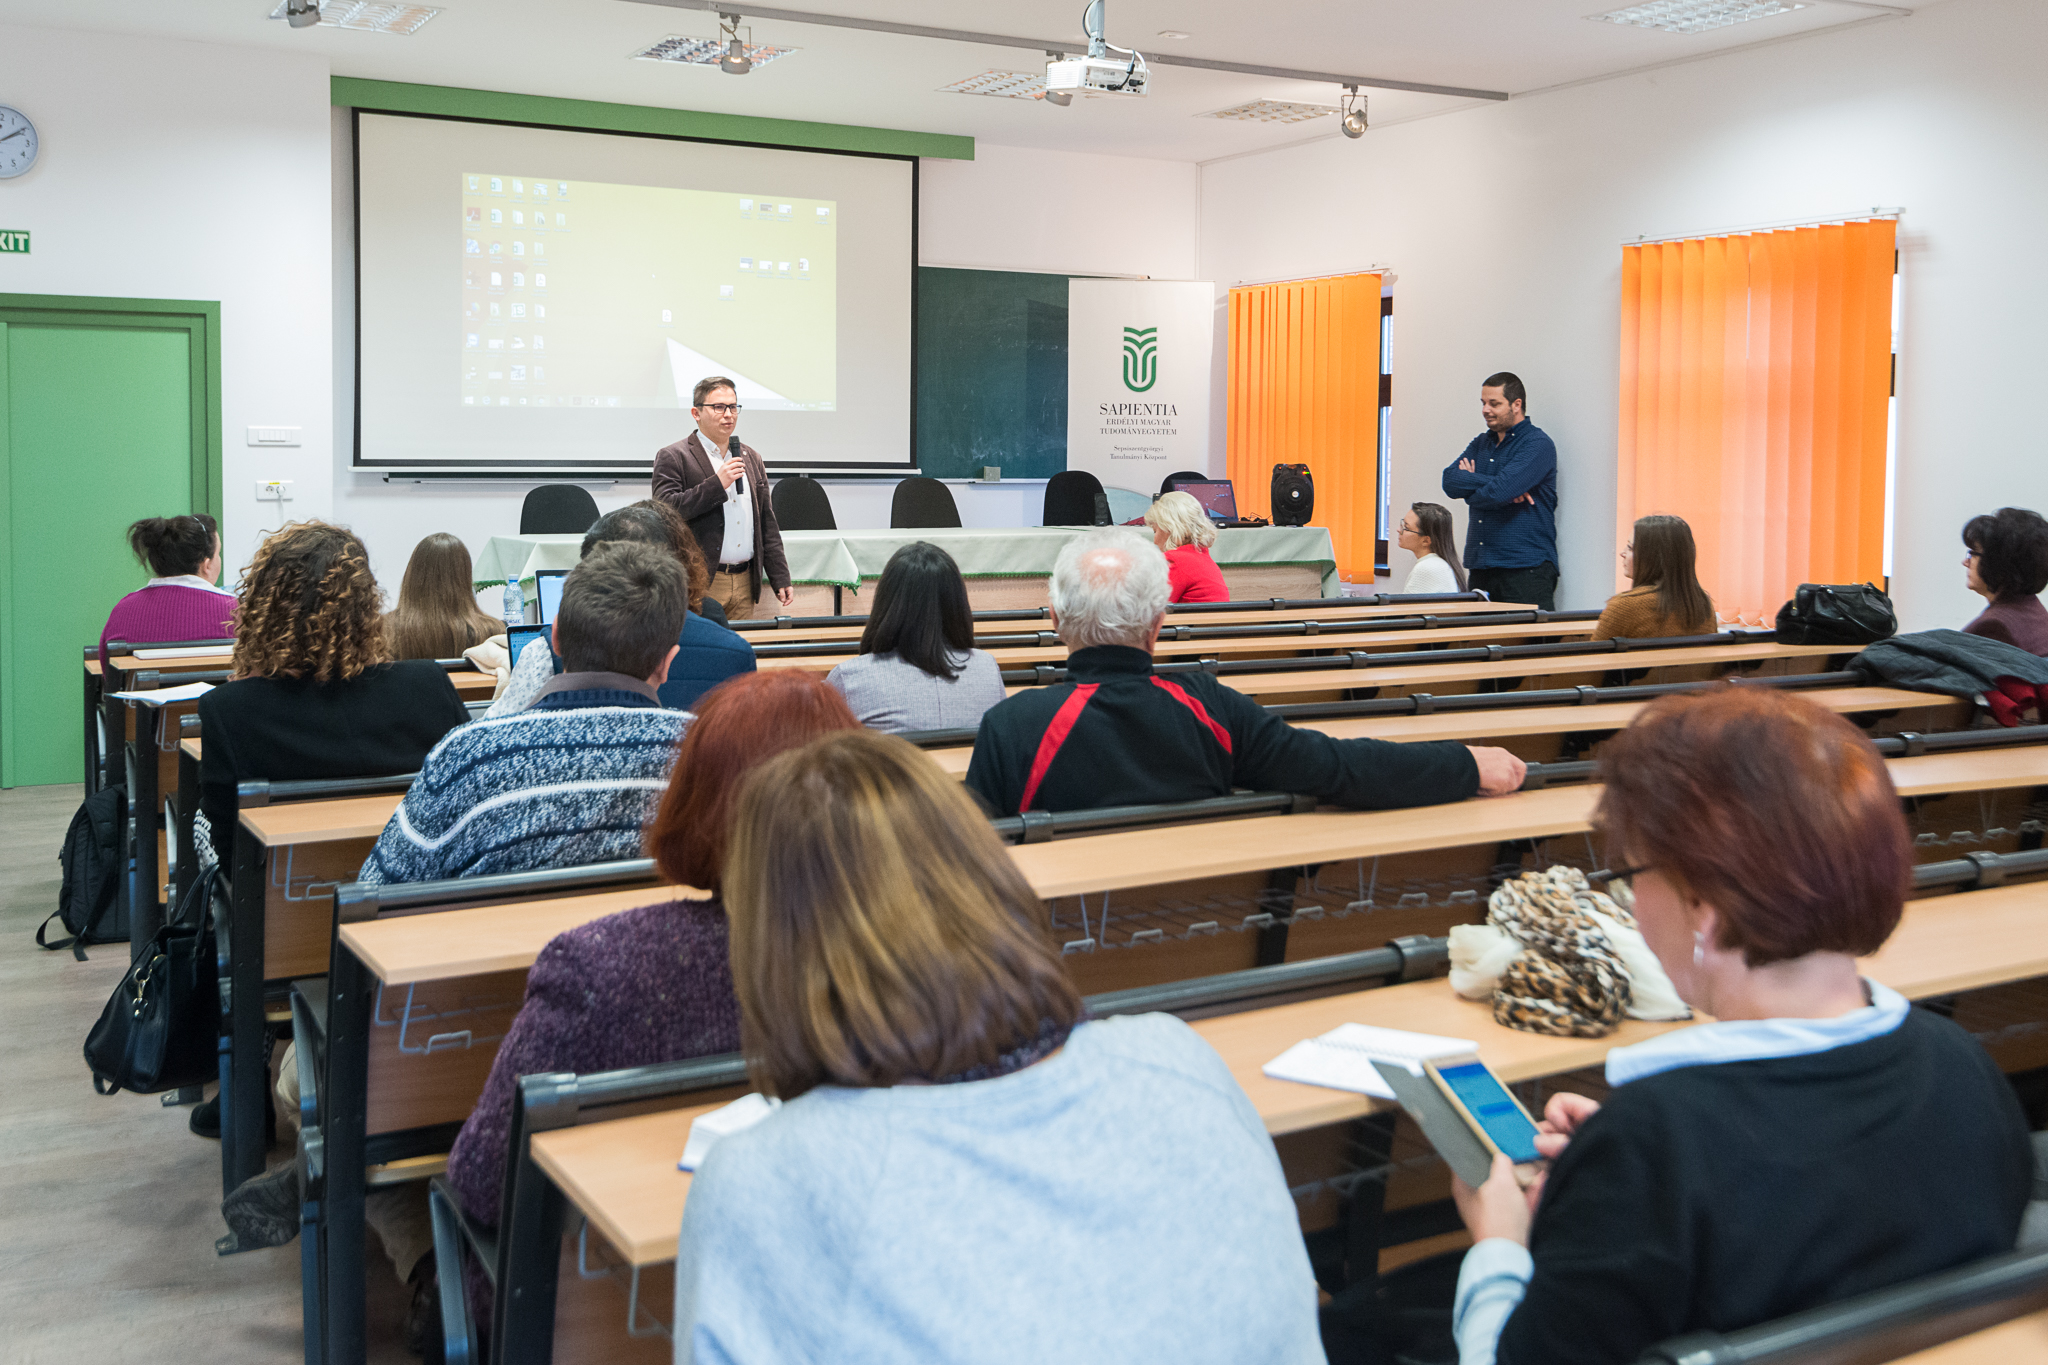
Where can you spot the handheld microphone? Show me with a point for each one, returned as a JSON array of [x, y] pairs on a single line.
[[739, 485]]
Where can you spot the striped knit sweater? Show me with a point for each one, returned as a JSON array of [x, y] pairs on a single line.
[[571, 782]]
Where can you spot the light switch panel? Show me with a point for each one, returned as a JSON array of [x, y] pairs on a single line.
[[273, 436]]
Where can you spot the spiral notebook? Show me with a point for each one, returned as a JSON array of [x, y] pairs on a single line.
[[1342, 1058]]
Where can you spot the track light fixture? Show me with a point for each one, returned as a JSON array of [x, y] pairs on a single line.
[[302, 13], [736, 62], [1353, 121]]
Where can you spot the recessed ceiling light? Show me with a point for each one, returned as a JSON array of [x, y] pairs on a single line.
[[370, 16], [1011, 85], [1696, 16], [1271, 111], [1174, 33], [704, 51]]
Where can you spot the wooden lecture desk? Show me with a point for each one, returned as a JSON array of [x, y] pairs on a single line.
[[1332, 609], [1511, 723], [1449, 635], [1765, 658], [2015, 1340], [622, 1174]]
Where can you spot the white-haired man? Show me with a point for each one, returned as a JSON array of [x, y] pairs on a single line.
[[1115, 733]]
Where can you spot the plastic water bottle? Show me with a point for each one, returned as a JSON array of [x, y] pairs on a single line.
[[515, 604]]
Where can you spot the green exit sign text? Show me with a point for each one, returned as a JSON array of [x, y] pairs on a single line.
[[10, 240]]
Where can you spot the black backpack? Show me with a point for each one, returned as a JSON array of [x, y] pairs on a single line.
[[92, 863]]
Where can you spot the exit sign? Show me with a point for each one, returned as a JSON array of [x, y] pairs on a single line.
[[10, 240]]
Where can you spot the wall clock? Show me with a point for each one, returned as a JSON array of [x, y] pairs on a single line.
[[18, 143]]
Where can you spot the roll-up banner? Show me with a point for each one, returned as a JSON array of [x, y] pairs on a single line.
[[1138, 379]]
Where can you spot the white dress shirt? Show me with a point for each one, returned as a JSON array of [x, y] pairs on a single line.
[[738, 545]]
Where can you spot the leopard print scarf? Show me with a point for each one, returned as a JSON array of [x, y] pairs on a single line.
[[1568, 981]]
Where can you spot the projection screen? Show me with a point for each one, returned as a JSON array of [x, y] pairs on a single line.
[[537, 301]]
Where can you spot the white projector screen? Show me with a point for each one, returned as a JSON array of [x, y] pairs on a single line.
[[533, 301]]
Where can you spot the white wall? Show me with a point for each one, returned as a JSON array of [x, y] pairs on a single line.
[[1504, 225], [178, 170], [1009, 209]]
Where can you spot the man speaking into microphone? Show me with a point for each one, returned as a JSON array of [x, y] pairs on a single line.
[[721, 489]]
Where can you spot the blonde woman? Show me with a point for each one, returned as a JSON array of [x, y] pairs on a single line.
[[964, 1167], [1184, 532]]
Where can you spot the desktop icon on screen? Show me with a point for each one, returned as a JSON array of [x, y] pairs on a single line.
[[540, 248], [540, 280], [497, 215], [725, 291], [518, 310], [540, 343], [540, 310], [497, 280], [472, 214], [667, 315], [494, 310], [518, 218], [824, 215], [497, 185], [519, 374], [540, 189], [746, 206], [519, 248], [471, 247], [497, 248], [561, 189], [471, 340], [472, 184], [518, 280], [746, 262], [518, 187]]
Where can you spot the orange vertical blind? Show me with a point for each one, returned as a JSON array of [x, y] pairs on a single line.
[[1304, 388], [1755, 390]]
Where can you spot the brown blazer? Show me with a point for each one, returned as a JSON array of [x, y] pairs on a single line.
[[686, 478]]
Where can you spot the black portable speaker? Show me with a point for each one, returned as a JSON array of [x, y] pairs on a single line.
[[1294, 495]]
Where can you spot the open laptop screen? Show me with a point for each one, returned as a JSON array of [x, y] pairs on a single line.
[[1217, 497], [547, 584]]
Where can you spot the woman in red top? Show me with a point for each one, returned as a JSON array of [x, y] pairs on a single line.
[[1183, 530]]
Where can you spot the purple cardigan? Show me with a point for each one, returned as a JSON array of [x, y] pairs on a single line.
[[642, 986], [2018, 620]]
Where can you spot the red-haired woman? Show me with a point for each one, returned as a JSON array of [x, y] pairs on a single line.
[[652, 984], [1820, 1138]]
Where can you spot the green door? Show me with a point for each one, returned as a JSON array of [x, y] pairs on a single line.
[[108, 413]]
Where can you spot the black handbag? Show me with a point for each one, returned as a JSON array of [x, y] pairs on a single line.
[[1837, 614], [160, 1029]]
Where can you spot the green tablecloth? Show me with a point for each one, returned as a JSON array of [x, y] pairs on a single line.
[[844, 558]]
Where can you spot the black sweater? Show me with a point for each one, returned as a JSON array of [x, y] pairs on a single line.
[[381, 722], [1115, 734], [1717, 1197]]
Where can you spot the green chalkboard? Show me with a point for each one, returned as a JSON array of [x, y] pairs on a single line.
[[991, 373]]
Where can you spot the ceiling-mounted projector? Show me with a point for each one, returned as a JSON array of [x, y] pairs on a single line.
[[1103, 70]]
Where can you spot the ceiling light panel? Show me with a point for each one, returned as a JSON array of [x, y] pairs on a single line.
[[369, 16], [1009, 85], [704, 51], [1271, 111], [1696, 16]]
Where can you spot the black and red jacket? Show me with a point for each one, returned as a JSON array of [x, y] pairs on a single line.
[[1116, 734]]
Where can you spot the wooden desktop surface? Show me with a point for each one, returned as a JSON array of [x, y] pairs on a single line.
[[1473, 726], [92, 667], [1567, 665], [469, 684], [2018, 1339], [190, 748], [454, 943], [318, 822], [1331, 609], [622, 1173], [1450, 636]]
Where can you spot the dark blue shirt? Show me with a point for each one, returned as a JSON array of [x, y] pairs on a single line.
[[708, 654], [1502, 533]]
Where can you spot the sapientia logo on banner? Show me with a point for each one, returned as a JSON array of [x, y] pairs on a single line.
[[1141, 358]]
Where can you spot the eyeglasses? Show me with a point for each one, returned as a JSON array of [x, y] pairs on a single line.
[[1625, 875], [720, 408]]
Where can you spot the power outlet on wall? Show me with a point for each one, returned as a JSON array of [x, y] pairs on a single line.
[[273, 490]]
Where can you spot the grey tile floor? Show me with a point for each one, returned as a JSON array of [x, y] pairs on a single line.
[[108, 1205]]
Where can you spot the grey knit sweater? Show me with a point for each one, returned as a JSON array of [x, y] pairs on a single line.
[[571, 781]]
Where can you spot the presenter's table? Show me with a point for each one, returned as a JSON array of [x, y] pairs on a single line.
[[1005, 567]]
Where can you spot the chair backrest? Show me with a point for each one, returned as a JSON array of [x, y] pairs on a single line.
[[1176, 479], [921, 502], [1070, 499], [801, 504], [557, 509]]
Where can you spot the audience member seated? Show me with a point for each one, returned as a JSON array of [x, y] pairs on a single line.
[[963, 1166], [180, 601], [1184, 533], [684, 543], [314, 691], [1666, 598], [437, 616], [647, 985], [706, 653], [918, 668], [1821, 1138], [1427, 533], [2008, 565], [1117, 734], [573, 778]]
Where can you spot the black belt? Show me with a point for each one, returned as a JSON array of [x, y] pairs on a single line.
[[736, 568]]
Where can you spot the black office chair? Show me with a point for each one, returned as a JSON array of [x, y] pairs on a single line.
[[922, 503], [1173, 481], [1074, 497], [557, 509], [801, 504]]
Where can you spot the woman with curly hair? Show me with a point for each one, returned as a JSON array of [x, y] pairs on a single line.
[[314, 692]]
